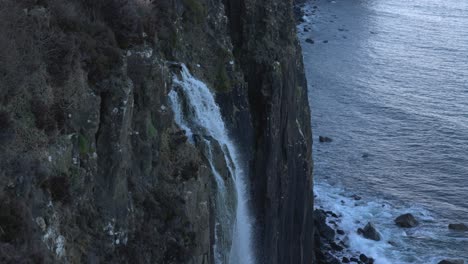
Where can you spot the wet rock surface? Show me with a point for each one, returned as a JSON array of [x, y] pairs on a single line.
[[458, 227], [406, 220], [369, 232], [451, 261], [324, 139]]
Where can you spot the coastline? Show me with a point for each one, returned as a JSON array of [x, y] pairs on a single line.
[[340, 212]]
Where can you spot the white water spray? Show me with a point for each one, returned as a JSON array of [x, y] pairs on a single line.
[[201, 115]]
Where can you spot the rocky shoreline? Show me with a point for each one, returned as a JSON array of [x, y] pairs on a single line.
[[333, 244], [331, 237]]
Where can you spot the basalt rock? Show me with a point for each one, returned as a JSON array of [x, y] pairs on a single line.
[[369, 232], [458, 227], [452, 261], [406, 220], [324, 139]]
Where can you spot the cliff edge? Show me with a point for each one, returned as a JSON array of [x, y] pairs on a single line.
[[94, 167]]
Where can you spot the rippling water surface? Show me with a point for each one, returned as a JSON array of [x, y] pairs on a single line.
[[388, 82]]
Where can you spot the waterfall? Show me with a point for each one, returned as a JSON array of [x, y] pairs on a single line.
[[198, 114]]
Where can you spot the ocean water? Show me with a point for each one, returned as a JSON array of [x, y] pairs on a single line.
[[388, 82]]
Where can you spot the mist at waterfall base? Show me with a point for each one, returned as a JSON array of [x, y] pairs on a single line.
[[388, 82], [197, 113]]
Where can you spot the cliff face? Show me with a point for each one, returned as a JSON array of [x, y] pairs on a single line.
[[94, 168], [281, 167]]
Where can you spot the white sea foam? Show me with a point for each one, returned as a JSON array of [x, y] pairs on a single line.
[[398, 245]]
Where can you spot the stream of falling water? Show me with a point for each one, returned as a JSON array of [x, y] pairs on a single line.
[[197, 113]]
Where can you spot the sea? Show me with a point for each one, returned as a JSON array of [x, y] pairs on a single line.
[[388, 83]]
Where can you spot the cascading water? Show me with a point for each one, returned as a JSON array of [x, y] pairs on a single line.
[[198, 114]]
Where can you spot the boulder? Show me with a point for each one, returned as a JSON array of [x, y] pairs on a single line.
[[458, 227], [332, 214], [330, 259], [323, 229], [323, 139], [336, 247], [308, 40], [452, 261], [406, 220], [369, 232], [345, 260], [356, 197]]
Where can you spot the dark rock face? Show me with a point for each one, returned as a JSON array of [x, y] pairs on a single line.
[[266, 47], [458, 227], [369, 232], [406, 220], [93, 168]]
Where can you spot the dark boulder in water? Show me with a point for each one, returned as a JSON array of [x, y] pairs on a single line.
[[369, 232], [323, 139], [332, 214], [406, 220], [330, 259], [336, 247], [458, 227], [309, 40], [356, 197], [345, 260], [323, 229], [452, 261]]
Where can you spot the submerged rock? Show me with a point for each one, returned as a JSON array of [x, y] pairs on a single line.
[[452, 261], [369, 232], [323, 139], [309, 40], [458, 227], [406, 220], [356, 197]]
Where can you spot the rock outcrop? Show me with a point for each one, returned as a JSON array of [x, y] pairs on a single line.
[[458, 227], [93, 167], [406, 220], [369, 232]]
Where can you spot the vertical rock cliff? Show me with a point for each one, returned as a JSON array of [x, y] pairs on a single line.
[[94, 168]]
